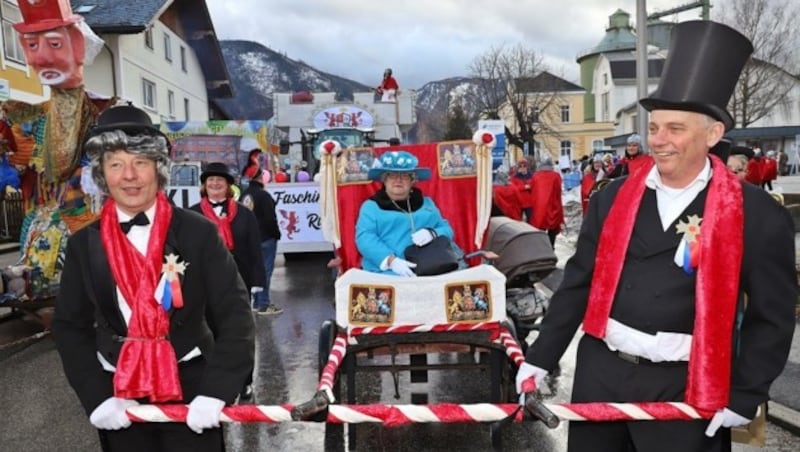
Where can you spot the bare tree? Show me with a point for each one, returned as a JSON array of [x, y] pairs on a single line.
[[515, 81], [773, 70]]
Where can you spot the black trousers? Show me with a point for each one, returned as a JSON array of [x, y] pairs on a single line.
[[161, 437], [602, 376], [167, 436]]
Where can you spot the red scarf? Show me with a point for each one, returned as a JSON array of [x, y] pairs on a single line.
[[147, 366], [716, 289], [223, 222]]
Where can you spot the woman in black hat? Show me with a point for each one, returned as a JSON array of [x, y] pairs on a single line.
[[238, 228]]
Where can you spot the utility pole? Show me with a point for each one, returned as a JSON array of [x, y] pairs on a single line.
[[641, 67]]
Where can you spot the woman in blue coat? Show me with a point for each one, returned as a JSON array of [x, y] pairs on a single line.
[[397, 216]]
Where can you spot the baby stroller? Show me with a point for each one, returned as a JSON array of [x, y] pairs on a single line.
[[525, 258]]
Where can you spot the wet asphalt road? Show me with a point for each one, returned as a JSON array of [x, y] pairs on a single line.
[[39, 411]]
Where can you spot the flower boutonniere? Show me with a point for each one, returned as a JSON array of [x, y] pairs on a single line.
[[688, 254], [168, 291]]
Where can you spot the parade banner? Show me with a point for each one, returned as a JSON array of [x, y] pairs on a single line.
[[297, 210], [216, 141]]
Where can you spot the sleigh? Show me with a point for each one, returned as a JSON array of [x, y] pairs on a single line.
[[396, 325]]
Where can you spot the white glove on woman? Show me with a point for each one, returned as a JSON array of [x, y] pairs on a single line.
[[402, 267], [422, 237], [526, 371], [256, 289], [725, 418], [110, 415], [204, 412]]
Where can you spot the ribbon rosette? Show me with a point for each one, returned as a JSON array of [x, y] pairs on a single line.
[[688, 254], [168, 290]]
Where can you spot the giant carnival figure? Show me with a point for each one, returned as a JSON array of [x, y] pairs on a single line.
[[44, 141]]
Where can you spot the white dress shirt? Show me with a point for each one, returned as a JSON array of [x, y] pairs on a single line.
[[662, 346]]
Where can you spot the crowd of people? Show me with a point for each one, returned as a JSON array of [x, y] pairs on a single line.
[[531, 192]]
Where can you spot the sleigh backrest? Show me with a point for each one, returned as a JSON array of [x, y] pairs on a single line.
[[453, 186]]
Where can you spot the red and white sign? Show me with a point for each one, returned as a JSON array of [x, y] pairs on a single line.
[[343, 116]]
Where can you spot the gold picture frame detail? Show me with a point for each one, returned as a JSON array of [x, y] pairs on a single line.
[[352, 166], [456, 159], [468, 301], [371, 305]]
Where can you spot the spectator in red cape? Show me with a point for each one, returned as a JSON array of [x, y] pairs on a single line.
[[253, 163], [506, 198], [634, 157], [737, 164], [593, 174], [770, 169], [548, 210], [522, 180], [388, 87], [755, 169]]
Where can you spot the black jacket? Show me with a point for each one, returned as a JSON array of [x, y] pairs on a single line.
[[216, 315], [655, 295], [246, 246], [263, 206]]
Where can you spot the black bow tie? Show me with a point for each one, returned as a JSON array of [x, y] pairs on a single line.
[[139, 220], [222, 203]]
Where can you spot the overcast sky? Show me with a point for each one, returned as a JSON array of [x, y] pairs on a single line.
[[423, 40]]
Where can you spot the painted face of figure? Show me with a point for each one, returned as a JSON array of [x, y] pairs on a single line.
[[216, 188], [132, 181], [679, 142], [398, 185], [56, 55]]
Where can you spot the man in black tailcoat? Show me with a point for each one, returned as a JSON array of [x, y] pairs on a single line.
[[683, 276], [151, 307]]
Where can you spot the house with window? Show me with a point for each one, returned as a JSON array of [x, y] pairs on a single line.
[[17, 80], [557, 113], [160, 55]]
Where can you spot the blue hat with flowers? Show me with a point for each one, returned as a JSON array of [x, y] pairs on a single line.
[[398, 162]]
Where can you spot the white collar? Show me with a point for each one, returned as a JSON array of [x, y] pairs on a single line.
[[654, 181], [150, 213]]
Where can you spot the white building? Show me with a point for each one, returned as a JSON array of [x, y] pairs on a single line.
[[160, 55]]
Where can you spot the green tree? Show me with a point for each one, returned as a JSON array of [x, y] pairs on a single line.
[[457, 125]]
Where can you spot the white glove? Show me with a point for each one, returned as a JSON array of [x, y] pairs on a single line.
[[526, 371], [256, 289], [110, 415], [725, 418], [204, 412], [402, 267], [422, 237]]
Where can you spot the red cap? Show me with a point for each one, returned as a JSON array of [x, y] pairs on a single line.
[[43, 15]]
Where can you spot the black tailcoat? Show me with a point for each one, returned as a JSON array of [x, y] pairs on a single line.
[[216, 315], [246, 246], [654, 294]]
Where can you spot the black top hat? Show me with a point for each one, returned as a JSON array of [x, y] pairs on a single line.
[[217, 169], [704, 62], [127, 118]]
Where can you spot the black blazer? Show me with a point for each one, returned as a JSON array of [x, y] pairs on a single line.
[[246, 246], [216, 316], [654, 294]]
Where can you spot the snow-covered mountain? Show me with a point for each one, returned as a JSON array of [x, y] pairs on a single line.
[[257, 71]]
